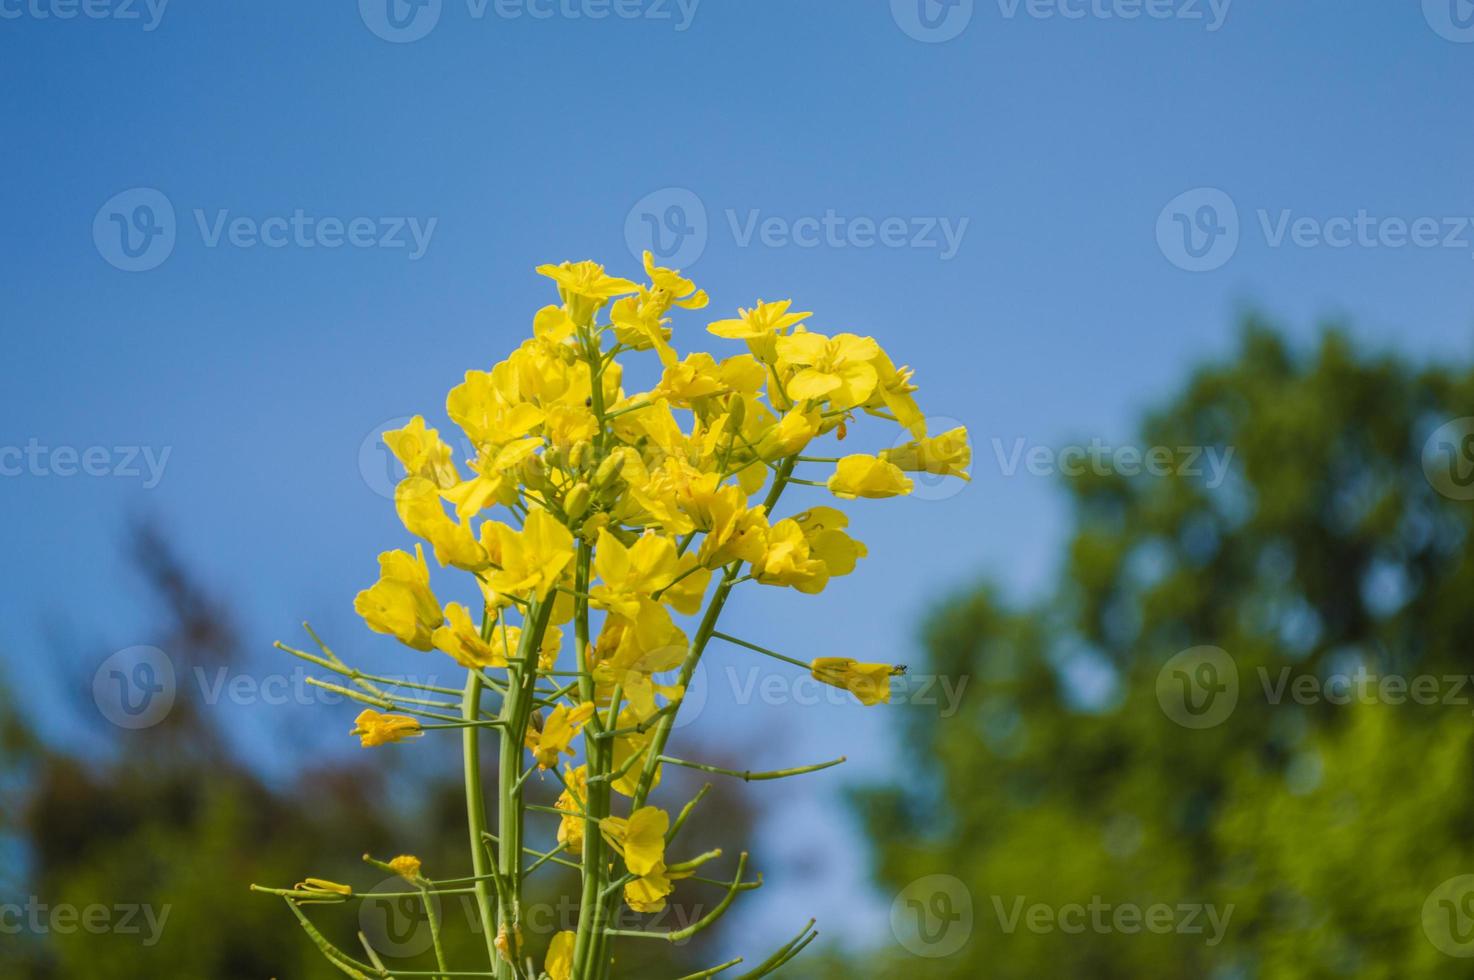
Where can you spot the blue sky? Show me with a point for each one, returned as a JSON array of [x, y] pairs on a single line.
[[819, 151]]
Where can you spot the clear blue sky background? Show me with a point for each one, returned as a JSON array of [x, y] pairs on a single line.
[[1060, 141]]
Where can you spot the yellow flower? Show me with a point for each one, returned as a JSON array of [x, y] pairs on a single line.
[[894, 392], [687, 591], [559, 962], [692, 379], [460, 639], [533, 559], [400, 603], [946, 455], [626, 574], [824, 527], [680, 291], [374, 729], [868, 476], [487, 413], [640, 839], [407, 866], [792, 433], [868, 682], [625, 746], [423, 453], [556, 737], [571, 801], [787, 560], [836, 369], [585, 288], [629, 651], [420, 510], [647, 893], [495, 481], [760, 326]]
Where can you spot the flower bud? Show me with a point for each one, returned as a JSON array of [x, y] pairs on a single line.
[[581, 454], [576, 504], [608, 472], [553, 458], [736, 413], [533, 473]]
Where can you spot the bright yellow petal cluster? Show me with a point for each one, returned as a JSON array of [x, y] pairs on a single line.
[[374, 729]]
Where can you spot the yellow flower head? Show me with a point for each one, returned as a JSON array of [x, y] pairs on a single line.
[[559, 962], [572, 801], [640, 839], [679, 290], [585, 288], [647, 893], [760, 326], [556, 737], [460, 639], [407, 866], [626, 574], [423, 453], [400, 603], [945, 455], [834, 369], [374, 729], [533, 559], [422, 513], [868, 682], [868, 476]]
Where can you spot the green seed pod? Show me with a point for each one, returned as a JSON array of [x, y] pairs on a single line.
[[608, 472], [576, 504]]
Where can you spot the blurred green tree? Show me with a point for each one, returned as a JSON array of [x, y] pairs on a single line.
[[1333, 552]]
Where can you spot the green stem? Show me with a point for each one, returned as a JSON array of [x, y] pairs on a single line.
[[476, 817]]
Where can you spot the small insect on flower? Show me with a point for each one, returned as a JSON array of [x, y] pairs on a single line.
[[374, 729]]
